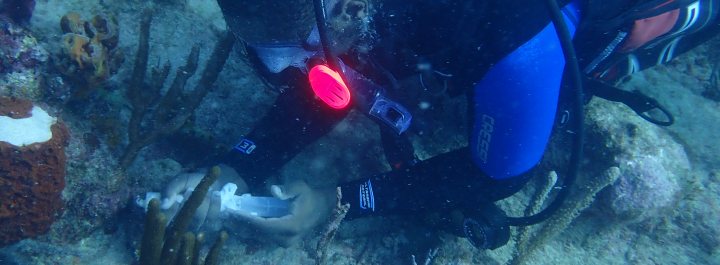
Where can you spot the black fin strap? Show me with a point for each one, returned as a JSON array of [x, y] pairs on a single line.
[[637, 101]]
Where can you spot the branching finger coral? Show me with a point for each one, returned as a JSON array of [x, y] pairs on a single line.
[[155, 114], [160, 244], [331, 228], [576, 203]]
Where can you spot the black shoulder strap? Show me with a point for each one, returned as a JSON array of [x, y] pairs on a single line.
[[642, 104]]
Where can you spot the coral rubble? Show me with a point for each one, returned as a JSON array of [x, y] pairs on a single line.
[[21, 58], [31, 174]]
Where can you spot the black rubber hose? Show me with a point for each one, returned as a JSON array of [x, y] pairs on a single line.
[[578, 121], [320, 18]]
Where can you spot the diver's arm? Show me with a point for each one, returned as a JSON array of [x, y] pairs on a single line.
[[444, 182], [295, 120]]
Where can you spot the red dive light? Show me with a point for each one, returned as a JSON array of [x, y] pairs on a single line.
[[329, 86]]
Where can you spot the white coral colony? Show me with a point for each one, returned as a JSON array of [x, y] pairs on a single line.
[[26, 131]]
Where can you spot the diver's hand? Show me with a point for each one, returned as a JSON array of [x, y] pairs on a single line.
[[308, 208], [207, 215]]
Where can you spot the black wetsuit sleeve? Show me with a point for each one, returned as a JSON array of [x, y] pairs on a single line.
[[442, 183], [295, 120]]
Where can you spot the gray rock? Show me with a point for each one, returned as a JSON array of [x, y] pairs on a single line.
[[650, 161]]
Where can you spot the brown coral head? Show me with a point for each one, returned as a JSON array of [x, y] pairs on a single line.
[[72, 23], [77, 47], [92, 47], [105, 30], [347, 23]]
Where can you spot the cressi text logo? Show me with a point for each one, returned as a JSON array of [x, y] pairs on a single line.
[[484, 136]]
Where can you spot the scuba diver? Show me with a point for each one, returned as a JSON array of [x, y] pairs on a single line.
[[513, 60]]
